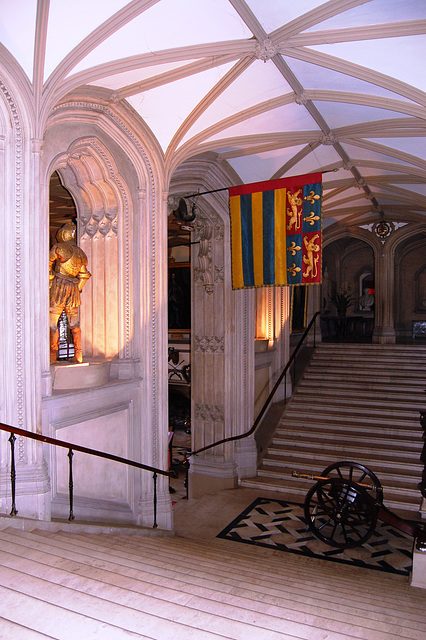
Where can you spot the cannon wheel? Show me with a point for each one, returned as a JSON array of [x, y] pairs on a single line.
[[355, 472], [340, 513]]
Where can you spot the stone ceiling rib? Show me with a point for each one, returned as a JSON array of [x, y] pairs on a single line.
[[94, 39], [356, 71], [407, 196], [256, 144], [390, 166], [208, 99], [236, 48], [355, 34], [40, 49], [249, 18], [388, 151], [340, 202], [241, 116], [256, 149], [173, 75], [333, 193], [313, 17], [394, 127], [380, 180], [301, 155], [345, 212], [366, 100]]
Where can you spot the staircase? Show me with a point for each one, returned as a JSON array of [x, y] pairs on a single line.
[[356, 402], [63, 586]]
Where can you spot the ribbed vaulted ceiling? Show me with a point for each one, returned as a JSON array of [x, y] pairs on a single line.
[[274, 87]]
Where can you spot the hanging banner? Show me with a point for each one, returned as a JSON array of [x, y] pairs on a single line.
[[276, 232]]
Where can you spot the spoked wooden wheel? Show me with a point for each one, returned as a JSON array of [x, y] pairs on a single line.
[[340, 513], [355, 472]]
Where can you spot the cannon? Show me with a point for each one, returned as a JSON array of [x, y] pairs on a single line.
[[343, 506]]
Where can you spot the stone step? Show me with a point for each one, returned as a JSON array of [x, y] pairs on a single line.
[[343, 447], [235, 581], [342, 420], [132, 555], [414, 432], [380, 349], [394, 499], [362, 395], [404, 479], [406, 466], [133, 611], [50, 620], [407, 356], [406, 483], [11, 630], [373, 361], [358, 402], [226, 569], [396, 496], [395, 438], [380, 375], [415, 387], [320, 407]]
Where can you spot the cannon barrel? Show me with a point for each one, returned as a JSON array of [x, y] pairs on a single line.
[[310, 476]]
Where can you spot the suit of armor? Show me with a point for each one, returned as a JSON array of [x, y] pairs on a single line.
[[67, 276]]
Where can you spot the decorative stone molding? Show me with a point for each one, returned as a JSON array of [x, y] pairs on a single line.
[[209, 412], [328, 139], [209, 344], [301, 99], [219, 274], [265, 50], [383, 229], [101, 219], [18, 269], [204, 232]]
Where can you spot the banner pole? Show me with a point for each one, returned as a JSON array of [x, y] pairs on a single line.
[[203, 193]]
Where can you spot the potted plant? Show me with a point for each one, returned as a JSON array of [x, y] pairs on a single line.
[[342, 300]]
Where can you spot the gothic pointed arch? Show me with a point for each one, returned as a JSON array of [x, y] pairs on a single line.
[[89, 172]]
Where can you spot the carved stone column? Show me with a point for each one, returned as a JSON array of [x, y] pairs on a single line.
[[222, 360], [384, 330], [23, 247]]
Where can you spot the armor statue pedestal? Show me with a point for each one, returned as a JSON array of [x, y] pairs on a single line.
[[69, 375]]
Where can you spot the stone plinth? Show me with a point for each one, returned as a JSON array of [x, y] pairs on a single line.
[[66, 375]]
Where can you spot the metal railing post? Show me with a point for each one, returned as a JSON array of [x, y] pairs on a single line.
[[71, 485], [186, 481], [12, 439], [154, 526]]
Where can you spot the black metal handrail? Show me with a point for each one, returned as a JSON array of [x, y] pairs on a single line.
[[14, 431], [265, 406]]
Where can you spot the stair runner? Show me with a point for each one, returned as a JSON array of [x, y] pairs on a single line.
[[63, 586], [354, 402]]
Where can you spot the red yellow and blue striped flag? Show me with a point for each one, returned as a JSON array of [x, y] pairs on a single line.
[[276, 232]]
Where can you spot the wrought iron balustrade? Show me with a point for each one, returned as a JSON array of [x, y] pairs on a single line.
[[72, 448]]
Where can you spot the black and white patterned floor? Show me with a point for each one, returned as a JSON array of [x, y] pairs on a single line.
[[281, 525]]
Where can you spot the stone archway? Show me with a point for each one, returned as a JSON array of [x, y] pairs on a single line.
[[410, 293], [347, 261], [89, 172], [117, 190]]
